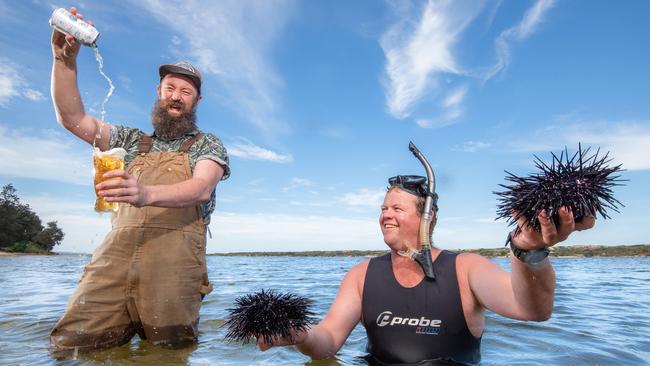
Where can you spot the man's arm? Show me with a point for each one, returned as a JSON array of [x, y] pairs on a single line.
[[527, 292], [65, 93], [326, 338], [191, 192]]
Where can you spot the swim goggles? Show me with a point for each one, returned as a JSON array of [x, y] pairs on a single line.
[[413, 184]]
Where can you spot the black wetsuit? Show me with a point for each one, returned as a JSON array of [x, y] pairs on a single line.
[[420, 325]]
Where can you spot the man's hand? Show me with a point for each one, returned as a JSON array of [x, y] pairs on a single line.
[[64, 47], [298, 337], [550, 234], [124, 188]]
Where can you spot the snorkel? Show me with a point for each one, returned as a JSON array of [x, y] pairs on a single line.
[[427, 220]]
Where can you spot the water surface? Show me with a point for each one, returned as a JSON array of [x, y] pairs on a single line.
[[601, 316]]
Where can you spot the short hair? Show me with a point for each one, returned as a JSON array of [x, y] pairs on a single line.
[[419, 207]]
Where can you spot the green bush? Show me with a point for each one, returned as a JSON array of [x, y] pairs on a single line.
[[26, 247], [21, 229]]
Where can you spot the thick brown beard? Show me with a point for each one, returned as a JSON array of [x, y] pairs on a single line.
[[168, 127]]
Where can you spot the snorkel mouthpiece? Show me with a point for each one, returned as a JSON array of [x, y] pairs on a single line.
[[423, 257]]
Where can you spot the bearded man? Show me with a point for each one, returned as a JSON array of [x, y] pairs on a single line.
[[149, 276]]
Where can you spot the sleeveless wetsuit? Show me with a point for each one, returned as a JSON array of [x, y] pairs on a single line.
[[420, 325]]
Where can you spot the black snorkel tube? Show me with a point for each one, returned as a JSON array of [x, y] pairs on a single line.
[[427, 220]]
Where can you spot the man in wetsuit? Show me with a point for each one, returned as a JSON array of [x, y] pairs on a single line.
[[413, 319], [149, 275]]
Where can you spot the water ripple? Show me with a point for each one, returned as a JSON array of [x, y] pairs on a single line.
[[601, 315]]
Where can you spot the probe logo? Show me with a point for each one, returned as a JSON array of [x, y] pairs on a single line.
[[422, 324]]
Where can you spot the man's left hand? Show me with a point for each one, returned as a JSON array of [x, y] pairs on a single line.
[[125, 188], [550, 234]]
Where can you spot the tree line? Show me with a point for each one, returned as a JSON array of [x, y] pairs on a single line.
[[21, 229]]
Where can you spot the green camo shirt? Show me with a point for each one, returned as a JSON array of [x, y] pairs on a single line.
[[208, 147]]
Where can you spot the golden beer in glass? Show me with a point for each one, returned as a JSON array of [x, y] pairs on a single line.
[[103, 162]]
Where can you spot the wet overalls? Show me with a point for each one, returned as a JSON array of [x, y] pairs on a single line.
[[149, 275]]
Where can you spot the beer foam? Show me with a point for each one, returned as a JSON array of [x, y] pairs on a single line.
[[117, 152]]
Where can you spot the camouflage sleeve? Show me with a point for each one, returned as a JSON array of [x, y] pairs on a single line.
[[125, 137], [210, 147]]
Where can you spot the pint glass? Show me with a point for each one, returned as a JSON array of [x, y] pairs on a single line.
[[103, 162]]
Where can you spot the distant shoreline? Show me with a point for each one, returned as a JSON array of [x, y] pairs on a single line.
[[575, 251], [15, 254]]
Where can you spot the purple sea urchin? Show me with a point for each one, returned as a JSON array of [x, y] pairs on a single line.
[[268, 314], [583, 183]]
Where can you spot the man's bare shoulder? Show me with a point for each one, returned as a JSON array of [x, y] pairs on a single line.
[[356, 276], [359, 269], [471, 261]]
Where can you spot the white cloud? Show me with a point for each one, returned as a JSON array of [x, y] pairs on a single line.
[[232, 44], [298, 183], [421, 62], [34, 95], [627, 141], [451, 110], [455, 97], [472, 146], [240, 232], [529, 24], [10, 82], [243, 148], [364, 197], [84, 228], [435, 123], [46, 157], [231, 232], [13, 85], [418, 52]]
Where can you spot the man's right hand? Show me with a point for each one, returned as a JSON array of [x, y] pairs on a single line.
[[64, 47], [297, 337]]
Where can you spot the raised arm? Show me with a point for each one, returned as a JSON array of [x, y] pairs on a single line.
[[326, 338], [67, 101], [526, 292]]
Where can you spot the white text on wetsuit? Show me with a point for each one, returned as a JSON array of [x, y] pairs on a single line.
[[422, 325]]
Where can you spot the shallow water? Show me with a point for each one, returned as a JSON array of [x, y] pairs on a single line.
[[601, 317]]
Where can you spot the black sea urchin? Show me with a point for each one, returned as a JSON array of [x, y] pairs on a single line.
[[583, 183], [268, 314]]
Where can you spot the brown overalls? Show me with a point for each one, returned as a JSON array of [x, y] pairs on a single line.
[[148, 276]]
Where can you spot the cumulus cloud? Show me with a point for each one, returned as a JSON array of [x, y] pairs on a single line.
[[46, 156], [245, 149], [233, 45]]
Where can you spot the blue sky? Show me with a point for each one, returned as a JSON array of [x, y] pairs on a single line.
[[316, 102]]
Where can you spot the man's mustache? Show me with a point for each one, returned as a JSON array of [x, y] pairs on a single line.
[[173, 104]]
